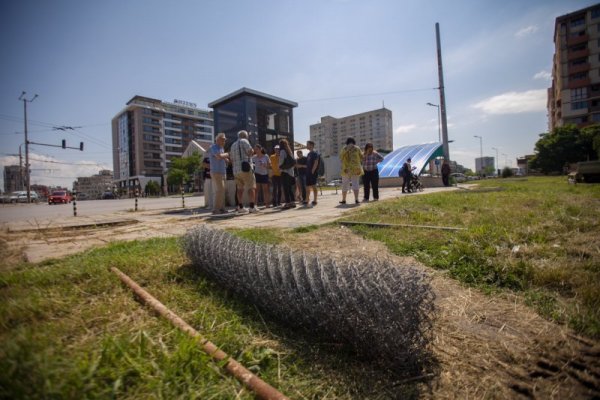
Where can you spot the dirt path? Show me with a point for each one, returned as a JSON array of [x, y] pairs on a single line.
[[485, 346]]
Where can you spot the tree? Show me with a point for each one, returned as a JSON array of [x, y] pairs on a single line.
[[182, 169], [565, 145], [152, 188], [507, 172]]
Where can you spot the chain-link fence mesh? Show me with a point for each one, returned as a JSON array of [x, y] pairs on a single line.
[[383, 311]]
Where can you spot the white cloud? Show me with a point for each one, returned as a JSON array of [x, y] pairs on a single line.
[[405, 128], [50, 171], [527, 31], [514, 102], [544, 75]]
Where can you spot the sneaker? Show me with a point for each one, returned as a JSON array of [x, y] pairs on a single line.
[[356, 201], [242, 210], [375, 199], [310, 205], [314, 203], [253, 210], [365, 200]]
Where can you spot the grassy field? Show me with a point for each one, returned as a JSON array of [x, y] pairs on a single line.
[[537, 236], [69, 330]]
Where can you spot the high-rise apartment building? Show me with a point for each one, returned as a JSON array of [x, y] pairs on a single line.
[[373, 126], [574, 97], [148, 133], [13, 178]]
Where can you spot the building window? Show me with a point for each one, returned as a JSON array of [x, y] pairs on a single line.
[[596, 12], [596, 117], [578, 76], [577, 22], [578, 94], [578, 105]]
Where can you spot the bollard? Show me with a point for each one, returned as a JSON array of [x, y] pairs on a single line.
[[74, 203], [182, 198], [137, 193]]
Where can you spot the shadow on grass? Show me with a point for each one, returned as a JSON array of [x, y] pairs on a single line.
[[318, 359]]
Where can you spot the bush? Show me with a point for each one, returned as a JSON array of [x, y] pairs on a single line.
[[507, 172]]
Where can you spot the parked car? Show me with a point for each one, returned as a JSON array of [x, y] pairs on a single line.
[[458, 177], [108, 196], [60, 196], [20, 196]]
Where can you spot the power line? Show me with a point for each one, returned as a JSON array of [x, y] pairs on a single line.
[[366, 95]]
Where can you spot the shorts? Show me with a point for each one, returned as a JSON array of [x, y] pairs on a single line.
[[311, 180], [245, 180], [262, 178]]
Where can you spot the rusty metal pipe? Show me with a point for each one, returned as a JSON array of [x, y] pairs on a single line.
[[262, 389]]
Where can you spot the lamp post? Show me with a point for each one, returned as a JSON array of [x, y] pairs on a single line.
[[439, 120], [495, 148], [480, 153], [27, 177]]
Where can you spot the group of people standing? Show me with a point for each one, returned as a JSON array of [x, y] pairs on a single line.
[[357, 163], [282, 176], [257, 174]]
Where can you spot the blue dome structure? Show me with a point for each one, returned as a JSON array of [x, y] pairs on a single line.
[[420, 154]]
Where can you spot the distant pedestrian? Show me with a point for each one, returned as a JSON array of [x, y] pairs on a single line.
[[218, 161], [301, 176], [262, 163], [406, 174], [276, 177], [351, 157], [446, 173], [371, 176], [312, 167], [240, 154], [286, 165]]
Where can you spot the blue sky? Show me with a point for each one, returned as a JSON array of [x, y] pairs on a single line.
[[86, 59]]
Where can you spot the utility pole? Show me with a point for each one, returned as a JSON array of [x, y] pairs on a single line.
[[442, 93], [20, 169], [27, 177]]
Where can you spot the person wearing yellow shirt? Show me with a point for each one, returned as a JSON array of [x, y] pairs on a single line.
[[351, 157]]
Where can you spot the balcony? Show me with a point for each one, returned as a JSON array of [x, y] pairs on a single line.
[[574, 40], [585, 67], [578, 54], [579, 83]]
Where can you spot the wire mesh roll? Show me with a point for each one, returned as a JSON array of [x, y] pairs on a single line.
[[383, 311]]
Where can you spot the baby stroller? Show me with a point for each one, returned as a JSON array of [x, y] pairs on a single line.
[[415, 182]]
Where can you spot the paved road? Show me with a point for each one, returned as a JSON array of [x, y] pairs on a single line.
[[43, 211]]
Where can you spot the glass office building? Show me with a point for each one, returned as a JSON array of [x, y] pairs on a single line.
[[266, 118]]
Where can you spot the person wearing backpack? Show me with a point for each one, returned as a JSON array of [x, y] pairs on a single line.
[[313, 165], [287, 162], [351, 157], [240, 154]]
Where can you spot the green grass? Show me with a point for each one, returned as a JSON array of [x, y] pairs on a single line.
[[539, 236], [69, 329]]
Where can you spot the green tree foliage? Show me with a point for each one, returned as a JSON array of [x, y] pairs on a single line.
[[565, 145], [152, 188], [507, 172], [182, 169]]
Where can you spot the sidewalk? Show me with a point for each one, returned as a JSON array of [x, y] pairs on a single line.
[[39, 240]]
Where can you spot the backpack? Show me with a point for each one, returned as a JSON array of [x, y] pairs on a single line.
[[288, 162], [321, 168]]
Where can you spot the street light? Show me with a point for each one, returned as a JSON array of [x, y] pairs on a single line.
[[27, 177], [439, 121], [480, 153], [494, 148]]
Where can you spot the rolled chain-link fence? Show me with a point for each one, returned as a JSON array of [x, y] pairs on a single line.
[[381, 310]]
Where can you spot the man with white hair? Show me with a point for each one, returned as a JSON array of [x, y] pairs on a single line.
[[240, 155]]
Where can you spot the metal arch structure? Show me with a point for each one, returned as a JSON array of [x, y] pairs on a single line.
[[420, 154]]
